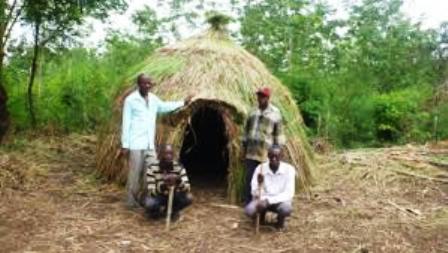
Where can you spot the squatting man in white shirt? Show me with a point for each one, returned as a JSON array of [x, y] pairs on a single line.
[[277, 180]]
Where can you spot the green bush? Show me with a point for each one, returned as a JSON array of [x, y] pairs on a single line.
[[75, 88], [399, 117]]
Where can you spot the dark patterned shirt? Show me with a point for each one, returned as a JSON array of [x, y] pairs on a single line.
[[263, 129], [155, 176]]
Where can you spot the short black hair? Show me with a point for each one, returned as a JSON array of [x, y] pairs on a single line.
[[141, 75], [275, 146], [164, 146]]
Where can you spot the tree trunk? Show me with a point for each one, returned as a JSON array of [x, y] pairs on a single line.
[[9, 15], [4, 114], [33, 75]]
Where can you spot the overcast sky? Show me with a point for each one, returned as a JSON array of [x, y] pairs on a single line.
[[430, 12]]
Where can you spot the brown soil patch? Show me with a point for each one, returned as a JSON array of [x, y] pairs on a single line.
[[372, 200]]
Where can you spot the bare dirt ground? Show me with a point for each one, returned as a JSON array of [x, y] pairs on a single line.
[[370, 200]]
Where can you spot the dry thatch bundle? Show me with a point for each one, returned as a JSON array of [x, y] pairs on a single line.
[[224, 77]]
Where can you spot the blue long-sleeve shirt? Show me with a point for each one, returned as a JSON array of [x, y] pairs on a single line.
[[139, 119]]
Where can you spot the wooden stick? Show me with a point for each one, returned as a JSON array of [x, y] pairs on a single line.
[[225, 206], [170, 208], [257, 222], [439, 164], [440, 180], [405, 210]]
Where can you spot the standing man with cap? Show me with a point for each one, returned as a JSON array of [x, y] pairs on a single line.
[[138, 132], [263, 129]]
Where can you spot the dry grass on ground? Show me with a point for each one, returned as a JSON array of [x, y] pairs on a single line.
[[372, 200]]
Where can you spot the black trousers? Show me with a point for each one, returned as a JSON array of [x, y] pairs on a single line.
[[155, 204], [251, 165]]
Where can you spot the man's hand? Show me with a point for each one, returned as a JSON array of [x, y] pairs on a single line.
[[261, 205], [242, 154], [260, 178], [170, 180], [125, 152], [188, 99]]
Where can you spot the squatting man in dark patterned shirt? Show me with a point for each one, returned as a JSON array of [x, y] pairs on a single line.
[[160, 176]]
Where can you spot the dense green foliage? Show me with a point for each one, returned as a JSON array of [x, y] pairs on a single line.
[[371, 84], [371, 79], [75, 87]]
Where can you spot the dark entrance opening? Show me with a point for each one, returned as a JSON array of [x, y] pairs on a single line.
[[204, 151]]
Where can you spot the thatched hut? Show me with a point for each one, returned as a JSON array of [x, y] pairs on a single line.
[[224, 77]]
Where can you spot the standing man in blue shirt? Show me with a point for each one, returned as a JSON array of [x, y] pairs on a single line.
[[138, 132]]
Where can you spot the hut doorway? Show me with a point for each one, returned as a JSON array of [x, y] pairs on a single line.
[[204, 151]]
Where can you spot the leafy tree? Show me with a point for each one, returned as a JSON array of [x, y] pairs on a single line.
[[55, 20], [9, 15], [372, 79], [348, 83], [80, 83], [147, 23]]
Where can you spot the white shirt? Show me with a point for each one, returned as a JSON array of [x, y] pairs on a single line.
[[278, 187], [139, 119]]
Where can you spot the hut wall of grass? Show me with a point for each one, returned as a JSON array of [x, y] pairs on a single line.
[[224, 78]]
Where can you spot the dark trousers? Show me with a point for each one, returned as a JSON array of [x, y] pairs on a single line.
[[283, 210], [251, 165], [155, 204]]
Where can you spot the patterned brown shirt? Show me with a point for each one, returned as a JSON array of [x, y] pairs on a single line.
[[263, 129]]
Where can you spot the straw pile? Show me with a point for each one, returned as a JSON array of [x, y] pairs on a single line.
[[223, 76]]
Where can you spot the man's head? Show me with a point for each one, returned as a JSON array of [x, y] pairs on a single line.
[[275, 156], [144, 83], [263, 96], [166, 153]]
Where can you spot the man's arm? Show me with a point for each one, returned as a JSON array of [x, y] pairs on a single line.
[[288, 190], [277, 133], [151, 181], [168, 106], [254, 181], [126, 125], [245, 137], [184, 184]]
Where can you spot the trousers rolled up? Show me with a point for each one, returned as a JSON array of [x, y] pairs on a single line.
[[282, 209], [136, 183]]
